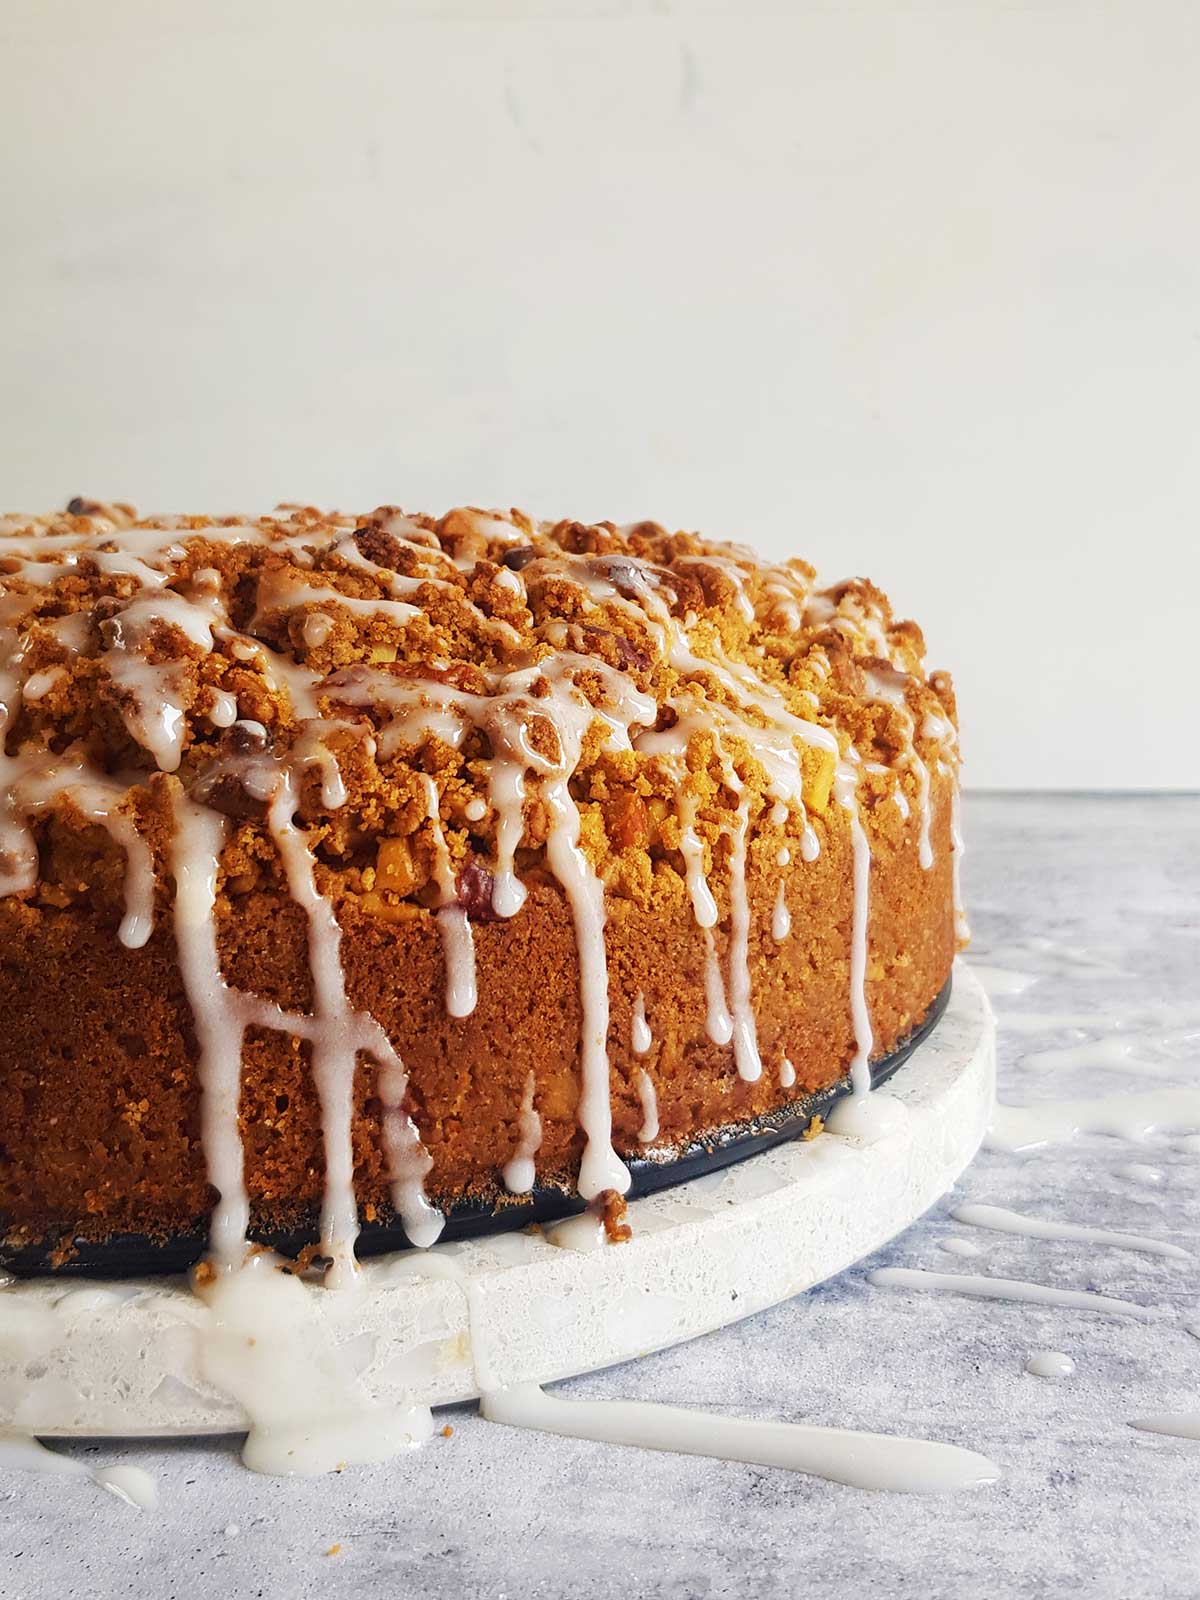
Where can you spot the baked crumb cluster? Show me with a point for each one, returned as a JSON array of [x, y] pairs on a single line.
[[394, 718]]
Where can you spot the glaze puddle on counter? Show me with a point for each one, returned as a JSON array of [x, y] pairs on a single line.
[[956, 1246], [1130, 1115], [1176, 1424], [841, 1455], [1001, 1220], [134, 1485], [1049, 1364], [982, 1288]]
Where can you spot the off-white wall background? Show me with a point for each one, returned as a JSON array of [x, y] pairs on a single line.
[[912, 290]]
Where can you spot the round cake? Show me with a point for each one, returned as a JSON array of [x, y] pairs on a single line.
[[358, 869]]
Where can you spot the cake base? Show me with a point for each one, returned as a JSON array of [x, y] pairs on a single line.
[[122, 1357]]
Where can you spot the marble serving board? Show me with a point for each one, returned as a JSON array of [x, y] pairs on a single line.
[[1092, 904]]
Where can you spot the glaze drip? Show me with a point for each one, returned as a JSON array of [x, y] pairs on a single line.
[[845, 784], [519, 1172], [196, 853]]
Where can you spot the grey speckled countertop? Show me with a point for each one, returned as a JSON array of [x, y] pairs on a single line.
[[1087, 1505]]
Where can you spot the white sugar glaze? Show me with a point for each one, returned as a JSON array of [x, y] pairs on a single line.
[[196, 848], [982, 1288], [308, 1413], [1177, 1424], [134, 1485], [648, 1131], [640, 1036], [957, 848], [1049, 1364], [39, 684], [781, 919], [519, 1171], [845, 783], [718, 1023], [1004, 1221], [886, 686], [704, 907], [99, 799], [745, 1031], [223, 712], [839, 1455], [23, 1454], [584, 1232], [601, 1168], [1131, 1115], [458, 937], [867, 1118], [458, 947], [335, 1040]]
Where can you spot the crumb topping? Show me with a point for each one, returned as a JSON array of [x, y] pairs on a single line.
[[380, 652]]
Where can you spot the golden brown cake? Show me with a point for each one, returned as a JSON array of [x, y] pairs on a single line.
[[351, 867]]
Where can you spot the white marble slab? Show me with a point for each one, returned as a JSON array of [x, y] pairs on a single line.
[[1087, 1504]]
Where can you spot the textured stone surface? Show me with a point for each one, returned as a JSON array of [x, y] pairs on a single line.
[[1086, 1503]]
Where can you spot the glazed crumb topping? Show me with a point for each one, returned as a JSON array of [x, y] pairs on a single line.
[[380, 652]]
